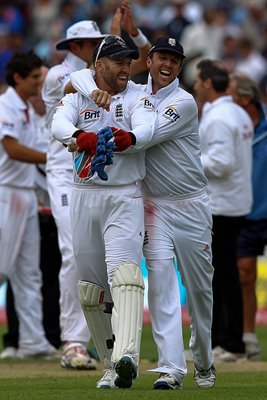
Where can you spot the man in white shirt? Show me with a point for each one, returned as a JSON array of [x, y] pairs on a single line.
[[80, 41], [176, 203], [225, 137], [19, 225], [108, 215]]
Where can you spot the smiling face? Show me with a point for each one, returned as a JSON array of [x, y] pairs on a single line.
[[164, 67], [113, 75]]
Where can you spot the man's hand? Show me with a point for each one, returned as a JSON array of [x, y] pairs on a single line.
[[127, 19], [86, 141], [115, 28], [101, 98], [123, 139]]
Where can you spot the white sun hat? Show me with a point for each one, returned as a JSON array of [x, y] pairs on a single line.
[[86, 29]]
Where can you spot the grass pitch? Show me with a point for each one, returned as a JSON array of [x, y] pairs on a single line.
[[46, 380]]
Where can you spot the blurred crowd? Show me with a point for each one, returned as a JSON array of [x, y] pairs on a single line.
[[234, 31]]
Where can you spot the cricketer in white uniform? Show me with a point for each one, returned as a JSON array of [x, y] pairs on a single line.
[[225, 136], [177, 221], [108, 216], [19, 224], [74, 330]]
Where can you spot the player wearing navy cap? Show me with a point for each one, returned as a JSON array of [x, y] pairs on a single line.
[[177, 217]]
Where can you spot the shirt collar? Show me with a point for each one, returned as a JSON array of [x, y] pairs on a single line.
[[210, 105], [15, 99], [75, 63], [165, 91]]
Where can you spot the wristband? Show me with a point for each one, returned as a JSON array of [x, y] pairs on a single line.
[[75, 135], [140, 40], [133, 138]]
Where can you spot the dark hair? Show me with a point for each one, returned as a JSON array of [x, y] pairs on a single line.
[[22, 63], [216, 72]]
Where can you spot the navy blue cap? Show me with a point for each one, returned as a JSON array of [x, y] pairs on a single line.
[[115, 48], [167, 44]]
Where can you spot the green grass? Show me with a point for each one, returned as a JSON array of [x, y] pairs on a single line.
[[149, 351], [24, 380], [243, 386]]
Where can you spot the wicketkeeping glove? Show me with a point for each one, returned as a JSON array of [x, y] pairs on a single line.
[[123, 139], [104, 153], [86, 141]]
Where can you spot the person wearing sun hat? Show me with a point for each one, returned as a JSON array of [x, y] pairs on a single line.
[[79, 43]]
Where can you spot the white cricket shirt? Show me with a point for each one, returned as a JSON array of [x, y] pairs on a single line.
[[225, 137], [15, 122], [52, 92]]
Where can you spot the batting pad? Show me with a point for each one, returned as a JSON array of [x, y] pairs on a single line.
[[127, 314], [97, 308]]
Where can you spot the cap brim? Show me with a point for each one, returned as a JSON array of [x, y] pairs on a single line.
[[64, 44], [123, 54], [167, 49]]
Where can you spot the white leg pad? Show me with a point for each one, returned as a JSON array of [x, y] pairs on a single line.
[[127, 314], [97, 308]]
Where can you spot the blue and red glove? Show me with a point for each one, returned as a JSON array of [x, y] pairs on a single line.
[[86, 141], [123, 139]]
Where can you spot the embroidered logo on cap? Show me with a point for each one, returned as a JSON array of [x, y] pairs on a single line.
[[172, 42]]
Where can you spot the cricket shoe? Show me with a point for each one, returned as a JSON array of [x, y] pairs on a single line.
[[126, 370], [166, 382], [50, 354], [108, 380], [205, 378], [222, 355], [252, 346], [75, 356], [8, 352]]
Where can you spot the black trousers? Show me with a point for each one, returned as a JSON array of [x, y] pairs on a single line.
[[50, 262], [227, 326]]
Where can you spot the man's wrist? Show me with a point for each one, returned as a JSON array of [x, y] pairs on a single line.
[[140, 40], [75, 135]]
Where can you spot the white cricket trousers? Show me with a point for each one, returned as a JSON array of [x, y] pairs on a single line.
[[72, 320], [180, 228], [108, 230], [19, 261]]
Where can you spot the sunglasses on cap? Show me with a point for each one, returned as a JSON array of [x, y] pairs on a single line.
[[107, 41]]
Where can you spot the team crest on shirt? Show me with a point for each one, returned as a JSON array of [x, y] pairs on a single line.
[[119, 112], [172, 114], [90, 115]]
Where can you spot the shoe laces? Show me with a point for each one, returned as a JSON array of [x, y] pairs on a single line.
[[109, 373], [165, 374], [205, 372]]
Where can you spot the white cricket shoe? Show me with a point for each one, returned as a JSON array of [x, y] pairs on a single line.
[[166, 382], [8, 352], [75, 356], [205, 378], [126, 370], [222, 355], [50, 354], [107, 380], [253, 351]]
